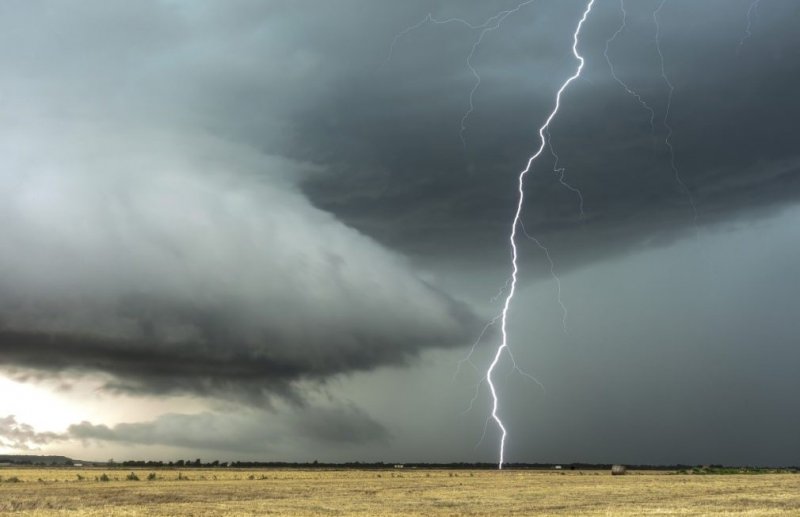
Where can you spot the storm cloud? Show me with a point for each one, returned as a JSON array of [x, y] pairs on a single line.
[[139, 261], [258, 200], [171, 256], [245, 431], [733, 114]]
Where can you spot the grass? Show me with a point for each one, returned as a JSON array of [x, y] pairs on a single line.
[[52, 491]]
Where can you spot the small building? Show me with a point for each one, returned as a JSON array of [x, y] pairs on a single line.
[[557, 467]]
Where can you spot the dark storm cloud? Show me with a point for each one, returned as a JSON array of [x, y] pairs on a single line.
[[172, 277], [225, 367], [146, 238], [153, 368], [191, 193], [311, 81], [402, 176]]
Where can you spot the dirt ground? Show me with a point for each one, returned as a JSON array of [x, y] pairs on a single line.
[[76, 491]]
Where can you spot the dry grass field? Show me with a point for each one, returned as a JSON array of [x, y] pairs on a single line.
[[54, 491]]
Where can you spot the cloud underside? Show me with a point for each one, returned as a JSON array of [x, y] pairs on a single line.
[[200, 369], [244, 432], [177, 270], [248, 431]]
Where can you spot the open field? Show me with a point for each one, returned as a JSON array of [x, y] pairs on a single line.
[[56, 491]]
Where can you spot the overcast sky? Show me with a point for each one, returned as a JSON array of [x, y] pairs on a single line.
[[274, 230]]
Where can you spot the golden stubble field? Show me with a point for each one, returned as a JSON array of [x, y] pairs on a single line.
[[52, 491]]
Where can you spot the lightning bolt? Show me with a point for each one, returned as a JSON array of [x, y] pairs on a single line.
[[490, 24], [500, 292], [428, 19], [624, 85], [751, 13], [552, 274], [665, 121], [468, 358], [561, 171], [671, 90], [499, 20], [514, 369], [503, 347], [545, 140]]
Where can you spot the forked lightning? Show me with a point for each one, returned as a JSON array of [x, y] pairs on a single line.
[[503, 347]]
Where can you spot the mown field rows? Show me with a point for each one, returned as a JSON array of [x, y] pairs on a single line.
[[76, 491]]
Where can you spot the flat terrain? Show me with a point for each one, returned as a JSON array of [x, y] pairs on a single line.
[[225, 491]]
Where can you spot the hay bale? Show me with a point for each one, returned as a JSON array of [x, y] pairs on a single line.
[[618, 470]]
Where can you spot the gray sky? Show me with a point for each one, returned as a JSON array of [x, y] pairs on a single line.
[[255, 227]]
